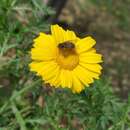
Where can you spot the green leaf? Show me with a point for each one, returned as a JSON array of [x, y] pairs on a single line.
[[19, 117], [40, 121]]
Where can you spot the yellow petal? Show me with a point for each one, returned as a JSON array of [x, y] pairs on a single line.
[[36, 66], [82, 75], [55, 81], [77, 85], [70, 36], [66, 78], [92, 67], [91, 50], [49, 71], [90, 58], [58, 33], [44, 48], [44, 41], [85, 44], [89, 73], [41, 54], [45, 69]]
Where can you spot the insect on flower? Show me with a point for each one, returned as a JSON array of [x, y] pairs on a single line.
[[64, 60], [67, 48]]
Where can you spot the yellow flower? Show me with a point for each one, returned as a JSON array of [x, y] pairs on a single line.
[[64, 60]]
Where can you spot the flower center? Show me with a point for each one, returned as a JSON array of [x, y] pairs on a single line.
[[67, 57]]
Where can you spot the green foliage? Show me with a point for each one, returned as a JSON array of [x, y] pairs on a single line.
[[25, 104], [95, 108], [20, 22]]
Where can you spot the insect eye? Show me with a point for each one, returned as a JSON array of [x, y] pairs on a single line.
[[62, 46]]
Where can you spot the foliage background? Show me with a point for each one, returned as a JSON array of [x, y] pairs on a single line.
[[27, 104]]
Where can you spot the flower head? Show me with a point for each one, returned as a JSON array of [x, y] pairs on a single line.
[[64, 60]]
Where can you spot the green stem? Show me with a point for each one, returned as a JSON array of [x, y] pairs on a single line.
[[19, 117], [4, 44]]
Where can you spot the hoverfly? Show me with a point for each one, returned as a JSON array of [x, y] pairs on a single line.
[[66, 48]]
